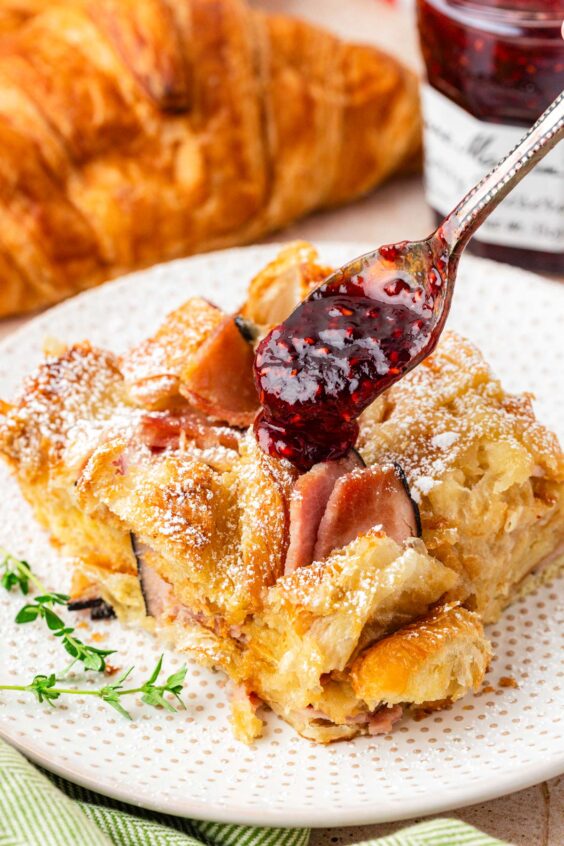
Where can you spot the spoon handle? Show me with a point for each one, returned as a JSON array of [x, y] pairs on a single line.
[[483, 198]]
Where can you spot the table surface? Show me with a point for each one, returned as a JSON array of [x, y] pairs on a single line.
[[533, 817]]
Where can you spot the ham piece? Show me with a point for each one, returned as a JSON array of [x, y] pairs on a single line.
[[218, 379], [336, 501], [358, 502], [157, 593], [308, 502], [379, 721], [163, 430], [382, 720]]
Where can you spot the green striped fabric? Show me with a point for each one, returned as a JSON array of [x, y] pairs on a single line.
[[40, 809]]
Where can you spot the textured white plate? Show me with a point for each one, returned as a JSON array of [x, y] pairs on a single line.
[[188, 763]]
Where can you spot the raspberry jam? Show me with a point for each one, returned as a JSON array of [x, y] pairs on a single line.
[[493, 67], [346, 343]]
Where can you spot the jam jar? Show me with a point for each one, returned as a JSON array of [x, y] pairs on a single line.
[[493, 66]]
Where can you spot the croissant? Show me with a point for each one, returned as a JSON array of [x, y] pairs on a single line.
[[137, 131]]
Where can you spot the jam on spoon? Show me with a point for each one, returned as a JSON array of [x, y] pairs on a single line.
[[372, 321]]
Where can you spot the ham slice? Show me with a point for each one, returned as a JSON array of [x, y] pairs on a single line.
[[163, 430], [379, 721], [218, 379], [308, 502], [361, 500], [382, 720], [157, 593]]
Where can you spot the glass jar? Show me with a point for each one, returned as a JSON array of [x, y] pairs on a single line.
[[493, 66]]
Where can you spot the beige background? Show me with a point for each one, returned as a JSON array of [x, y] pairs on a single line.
[[533, 817]]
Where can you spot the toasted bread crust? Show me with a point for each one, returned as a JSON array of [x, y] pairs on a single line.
[[439, 656]]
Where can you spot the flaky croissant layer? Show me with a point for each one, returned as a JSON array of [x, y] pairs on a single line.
[[136, 131]]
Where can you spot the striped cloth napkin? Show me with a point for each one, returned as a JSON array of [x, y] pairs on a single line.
[[40, 809]]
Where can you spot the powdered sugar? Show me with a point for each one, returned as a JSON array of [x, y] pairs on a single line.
[[423, 485], [445, 439]]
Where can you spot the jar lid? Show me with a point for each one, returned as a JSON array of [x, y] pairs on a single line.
[[524, 12]]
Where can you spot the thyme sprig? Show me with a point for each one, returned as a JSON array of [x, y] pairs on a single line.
[[45, 689], [17, 573]]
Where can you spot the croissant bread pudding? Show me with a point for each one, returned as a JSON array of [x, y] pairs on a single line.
[[136, 131], [340, 597]]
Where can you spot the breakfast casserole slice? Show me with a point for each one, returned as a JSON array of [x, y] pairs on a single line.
[[339, 597]]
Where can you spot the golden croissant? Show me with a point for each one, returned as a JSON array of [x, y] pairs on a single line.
[[137, 131]]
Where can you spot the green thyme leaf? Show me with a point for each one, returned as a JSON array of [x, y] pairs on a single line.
[[44, 688], [91, 657], [175, 684], [15, 573], [53, 621], [27, 614], [112, 697], [156, 672], [52, 599], [154, 694]]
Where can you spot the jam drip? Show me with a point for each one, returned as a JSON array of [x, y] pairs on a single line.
[[345, 344]]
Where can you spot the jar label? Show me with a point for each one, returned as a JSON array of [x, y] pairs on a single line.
[[460, 150]]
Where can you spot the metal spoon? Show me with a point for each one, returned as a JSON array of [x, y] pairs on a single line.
[[314, 381], [416, 259]]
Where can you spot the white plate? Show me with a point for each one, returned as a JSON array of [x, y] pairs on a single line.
[[188, 763]]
